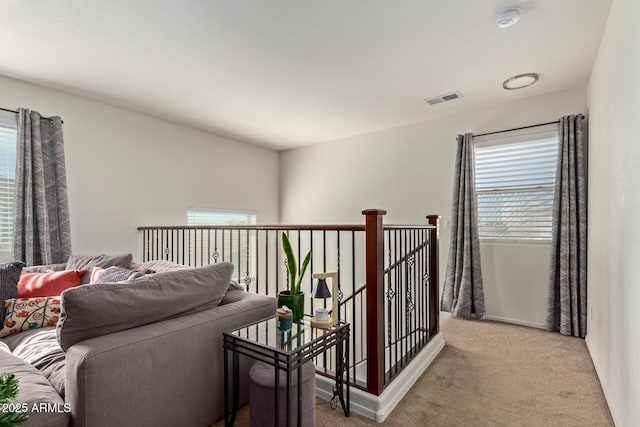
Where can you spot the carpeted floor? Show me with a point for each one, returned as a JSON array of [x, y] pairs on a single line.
[[495, 374]]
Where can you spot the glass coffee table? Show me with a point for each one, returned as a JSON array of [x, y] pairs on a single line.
[[286, 351]]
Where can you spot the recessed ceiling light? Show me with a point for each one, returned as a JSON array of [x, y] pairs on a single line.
[[520, 81], [507, 18]]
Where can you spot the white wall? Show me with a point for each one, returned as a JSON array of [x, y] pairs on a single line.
[[126, 169], [408, 171], [613, 335]]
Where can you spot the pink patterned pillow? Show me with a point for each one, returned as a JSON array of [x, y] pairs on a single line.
[[22, 314], [96, 273]]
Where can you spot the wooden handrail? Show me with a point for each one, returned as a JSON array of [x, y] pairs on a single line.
[[337, 227]]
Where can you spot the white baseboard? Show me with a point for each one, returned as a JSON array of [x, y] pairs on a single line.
[[607, 393], [516, 321], [378, 408]]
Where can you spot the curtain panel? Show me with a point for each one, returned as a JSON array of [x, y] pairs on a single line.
[[41, 229], [567, 297], [463, 292]]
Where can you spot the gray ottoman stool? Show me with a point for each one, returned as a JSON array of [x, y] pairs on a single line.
[[262, 399]]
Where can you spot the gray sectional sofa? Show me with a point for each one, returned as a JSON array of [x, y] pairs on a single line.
[[146, 352]]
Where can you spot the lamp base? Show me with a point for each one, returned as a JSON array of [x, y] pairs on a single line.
[[322, 324]]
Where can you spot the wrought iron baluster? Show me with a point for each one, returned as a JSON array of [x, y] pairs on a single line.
[[247, 278]]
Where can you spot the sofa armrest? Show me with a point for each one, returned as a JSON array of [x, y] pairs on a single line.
[[165, 373]]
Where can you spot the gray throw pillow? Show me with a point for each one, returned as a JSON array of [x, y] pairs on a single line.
[[87, 262], [9, 278], [45, 268], [92, 311], [161, 265], [118, 274]]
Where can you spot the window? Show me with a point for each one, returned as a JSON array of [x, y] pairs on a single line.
[[515, 180], [237, 247], [8, 140]]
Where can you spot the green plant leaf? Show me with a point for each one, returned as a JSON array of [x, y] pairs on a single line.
[[291, 263], [8, 392], [303, 269]]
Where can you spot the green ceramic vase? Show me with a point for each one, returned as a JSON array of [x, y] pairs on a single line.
[[294, 302]]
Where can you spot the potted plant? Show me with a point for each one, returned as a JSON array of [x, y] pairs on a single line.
[[293, 297], [12, 413]]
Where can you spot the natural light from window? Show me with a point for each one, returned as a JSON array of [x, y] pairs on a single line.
[[244, 238], [8, 138], [515, 178]]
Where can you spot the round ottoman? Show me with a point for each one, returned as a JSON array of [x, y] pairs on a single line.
[[262, 399]]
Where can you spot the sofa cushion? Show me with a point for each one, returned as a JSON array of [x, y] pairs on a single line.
[[40, 348], [35, 389], [9, 278], [87, 262], [22, 314], [50, 284], [91, 311]]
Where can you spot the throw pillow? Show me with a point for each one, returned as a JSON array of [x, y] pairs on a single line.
[[117, 274], [95, 273], [87, 262], [22, 314], [33, 285], [45, 268], [161, 265], [9, 278]]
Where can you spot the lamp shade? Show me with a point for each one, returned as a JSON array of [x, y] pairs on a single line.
[[322, 290]]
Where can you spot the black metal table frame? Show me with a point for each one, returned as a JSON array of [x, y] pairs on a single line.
[[282, 360]]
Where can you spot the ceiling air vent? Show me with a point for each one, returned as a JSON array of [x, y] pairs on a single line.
[[443, 98]]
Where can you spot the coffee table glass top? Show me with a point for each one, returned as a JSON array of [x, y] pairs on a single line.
[[266, 333]]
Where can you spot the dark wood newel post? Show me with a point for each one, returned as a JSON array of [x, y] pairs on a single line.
[[434, 294], [374, 250]]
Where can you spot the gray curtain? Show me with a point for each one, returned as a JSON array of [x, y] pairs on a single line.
[[41, 231], [463, 293], [567, 303]]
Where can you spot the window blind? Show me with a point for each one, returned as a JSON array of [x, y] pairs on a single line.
[[515, 180], [8, 138], [204, 216], [241, 256]]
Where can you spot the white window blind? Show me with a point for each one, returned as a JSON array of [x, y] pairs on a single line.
[[515, 180], [8, 139], [237, 247], [205, 216]]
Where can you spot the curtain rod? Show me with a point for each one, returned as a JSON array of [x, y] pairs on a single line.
[[14, 111], [520, 128]]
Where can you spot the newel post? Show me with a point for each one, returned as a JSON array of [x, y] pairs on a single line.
[[434, 294], [374, 250]]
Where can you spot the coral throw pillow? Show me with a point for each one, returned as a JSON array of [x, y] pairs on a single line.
[[48, 284], [22, 314]]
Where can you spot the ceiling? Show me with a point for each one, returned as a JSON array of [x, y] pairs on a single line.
[[288, 73]]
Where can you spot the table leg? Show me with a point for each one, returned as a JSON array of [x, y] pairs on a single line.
[[236, 386], [340, 368], [347, 411], [226, 389], [276, 399], [300, 395], [230, 418], [288, 395]]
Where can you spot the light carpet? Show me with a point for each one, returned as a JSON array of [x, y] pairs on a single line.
[[494, 374]]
